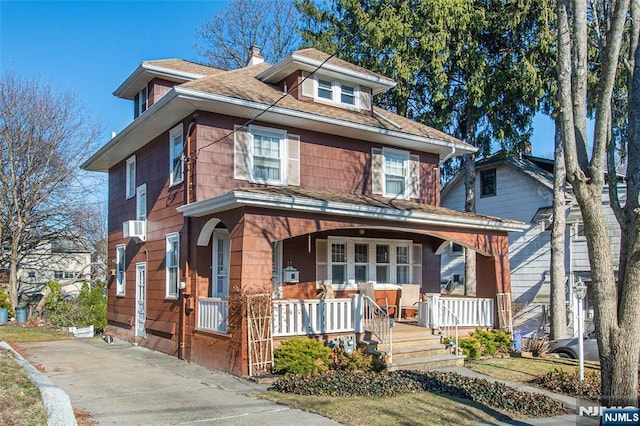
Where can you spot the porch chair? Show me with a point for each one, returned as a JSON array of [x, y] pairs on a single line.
[[368, 290], [409, 298]]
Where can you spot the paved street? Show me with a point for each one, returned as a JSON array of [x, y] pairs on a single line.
[[128, 385]]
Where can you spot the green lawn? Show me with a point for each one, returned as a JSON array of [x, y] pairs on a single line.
[[411, 409], [12, 332], [523, 370]]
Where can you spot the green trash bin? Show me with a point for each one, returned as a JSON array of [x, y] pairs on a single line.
[[4, 315], [21, 314]]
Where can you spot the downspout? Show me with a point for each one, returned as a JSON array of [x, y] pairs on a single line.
[[449, 155], [186, 291]]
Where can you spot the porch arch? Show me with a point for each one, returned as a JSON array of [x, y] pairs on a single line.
[[207, 230]]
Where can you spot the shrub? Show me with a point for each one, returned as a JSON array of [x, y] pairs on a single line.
[[301, 356], [5, 302], [481, 343], [496, 395], [355, 361], [88, 308], [537, 346]]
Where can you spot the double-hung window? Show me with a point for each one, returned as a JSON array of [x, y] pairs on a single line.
[[402, 264], [267, 155], [175, 155], [347, 95], [141, 202], [325, 89], [395, 165], [361, 258], [143, 101], [336, 92], [338, 263], [130, 180], [172, 261], [383, 263], [120, 270]]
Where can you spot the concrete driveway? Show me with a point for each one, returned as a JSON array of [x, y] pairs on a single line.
[[127, 385]]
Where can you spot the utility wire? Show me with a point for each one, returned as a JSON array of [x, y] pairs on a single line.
[[288, 92]]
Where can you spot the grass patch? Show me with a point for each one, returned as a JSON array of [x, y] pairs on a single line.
[[20, 401], [411, 409], [12, 332], [525, 370]]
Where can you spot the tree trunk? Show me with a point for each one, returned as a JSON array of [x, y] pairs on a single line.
[[558, 275], [470, 281]]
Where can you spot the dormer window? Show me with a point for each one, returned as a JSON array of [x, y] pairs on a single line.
[[142, 101], [325, 89], [348, 95], [335, 92]]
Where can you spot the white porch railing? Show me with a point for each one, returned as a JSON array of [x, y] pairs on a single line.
[[439, 312], [313, 316], [213, 314]]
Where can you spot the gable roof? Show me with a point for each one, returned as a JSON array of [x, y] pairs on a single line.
[[524, 165], [240, 93]]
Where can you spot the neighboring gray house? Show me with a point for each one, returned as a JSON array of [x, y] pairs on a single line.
[[522, 189], [67, 261]]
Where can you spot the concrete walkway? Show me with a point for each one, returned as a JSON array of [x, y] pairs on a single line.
[[127, 385]]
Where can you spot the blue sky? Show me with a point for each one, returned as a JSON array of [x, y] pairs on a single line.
[[91, 47]]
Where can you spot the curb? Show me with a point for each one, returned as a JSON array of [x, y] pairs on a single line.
[[56, 401]]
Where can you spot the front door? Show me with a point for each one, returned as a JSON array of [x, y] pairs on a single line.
[[220, 264], [141, 298]]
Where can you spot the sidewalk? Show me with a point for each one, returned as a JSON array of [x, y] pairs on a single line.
[[127, 385]]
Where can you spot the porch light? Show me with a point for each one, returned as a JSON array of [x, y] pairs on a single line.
[[580, 291]]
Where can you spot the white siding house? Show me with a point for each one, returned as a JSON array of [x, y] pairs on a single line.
[[522, 189]]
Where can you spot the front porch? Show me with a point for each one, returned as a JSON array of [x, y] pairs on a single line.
[[359, 316], [248, 243]]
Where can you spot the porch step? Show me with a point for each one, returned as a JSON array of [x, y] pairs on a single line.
[[426, 363], [419, 351]]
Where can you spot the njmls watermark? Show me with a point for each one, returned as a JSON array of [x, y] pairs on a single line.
[[609, 416]]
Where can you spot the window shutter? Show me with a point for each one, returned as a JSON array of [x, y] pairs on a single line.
[[414, 177], [377, 174], [241, 153], [365, 99], [293, 160], [307, 85], [416, 264], [322, 273]]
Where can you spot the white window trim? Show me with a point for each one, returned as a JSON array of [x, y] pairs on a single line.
[[142, 107], [336, 93], [350, 243], [268, 131], [176, 131], [174, 236], [140, 192], [130, 178], [407, 171], [121, 284]]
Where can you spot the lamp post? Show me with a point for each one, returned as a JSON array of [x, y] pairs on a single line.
[[580, 291]]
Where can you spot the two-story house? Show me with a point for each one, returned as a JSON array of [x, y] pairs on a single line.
[[522, 189], [274, 179]]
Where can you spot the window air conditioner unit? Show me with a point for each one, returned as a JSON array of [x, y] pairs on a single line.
[[135, 229]]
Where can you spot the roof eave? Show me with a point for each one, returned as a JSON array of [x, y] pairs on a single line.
[[438, 146], [296, 62], [145, 73], [235, 199]]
